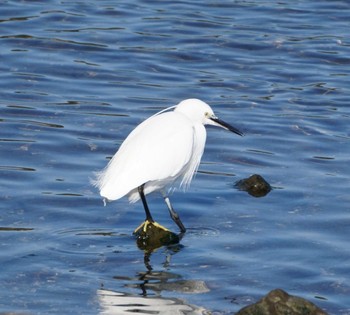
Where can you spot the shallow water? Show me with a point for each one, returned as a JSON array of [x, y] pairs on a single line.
[[76, 77]]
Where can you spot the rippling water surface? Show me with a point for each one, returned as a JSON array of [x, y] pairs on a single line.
[[77, 76]]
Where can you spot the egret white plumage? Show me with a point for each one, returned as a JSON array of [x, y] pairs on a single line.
[[159, 153]]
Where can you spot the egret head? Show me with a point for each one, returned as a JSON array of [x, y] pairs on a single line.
[[199, 111]]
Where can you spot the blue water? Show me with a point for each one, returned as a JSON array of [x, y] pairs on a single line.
[[76, 77]]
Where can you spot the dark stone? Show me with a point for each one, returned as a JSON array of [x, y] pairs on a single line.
[[154, 236], [255, 185], [279, 302]]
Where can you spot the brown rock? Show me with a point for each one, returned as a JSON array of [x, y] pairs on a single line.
[[255, 185], [279, 302], [151, 235]]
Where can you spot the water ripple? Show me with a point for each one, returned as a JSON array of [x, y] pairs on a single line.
[[77, 77]]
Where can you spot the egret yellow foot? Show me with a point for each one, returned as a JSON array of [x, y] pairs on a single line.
[[146, 225]]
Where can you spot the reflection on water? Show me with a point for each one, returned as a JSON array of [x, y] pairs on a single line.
[[15, 229], [152, 285], [120, 303], [159, 281]]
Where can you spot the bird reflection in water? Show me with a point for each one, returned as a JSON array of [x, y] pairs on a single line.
[[112, 302], [152, 283]]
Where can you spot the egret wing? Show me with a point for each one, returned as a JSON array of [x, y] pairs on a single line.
[[158, 151]]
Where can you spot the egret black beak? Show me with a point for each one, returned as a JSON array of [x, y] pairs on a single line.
[[226, 126]]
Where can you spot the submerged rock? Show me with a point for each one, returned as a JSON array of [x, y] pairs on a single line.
[[255, 185], [279, 302], [184, 286]]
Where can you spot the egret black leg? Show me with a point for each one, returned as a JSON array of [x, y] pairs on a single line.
[[174, 215], [144, 202]]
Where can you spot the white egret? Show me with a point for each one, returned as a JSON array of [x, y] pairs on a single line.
[[163, 150]]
